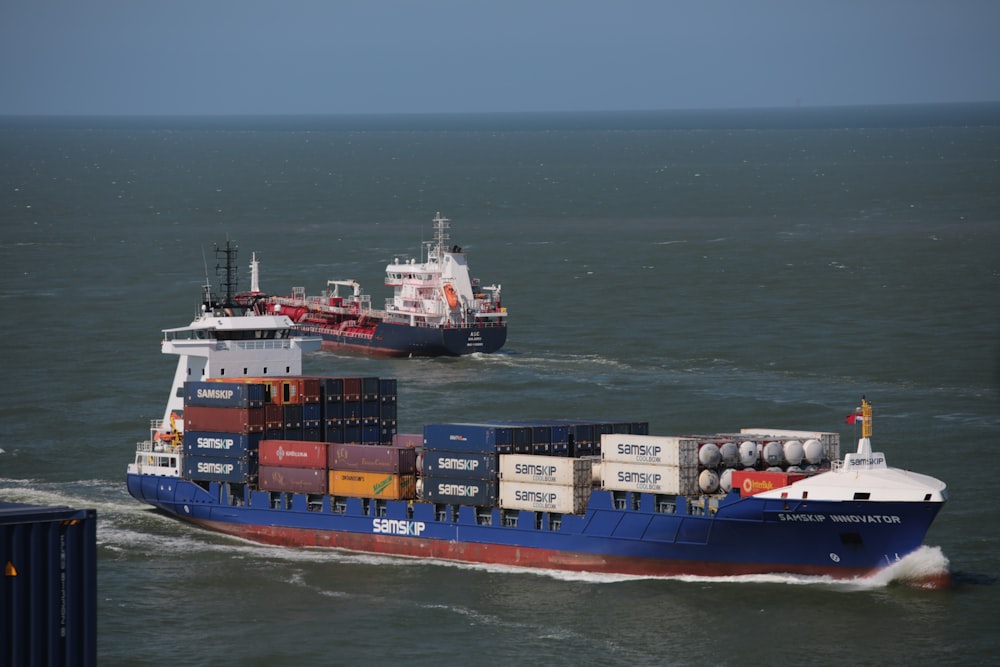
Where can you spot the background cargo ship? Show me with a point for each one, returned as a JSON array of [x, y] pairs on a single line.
[[437, 308], [250, 446]]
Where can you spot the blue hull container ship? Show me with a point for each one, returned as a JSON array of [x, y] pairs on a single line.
[[250, 446]]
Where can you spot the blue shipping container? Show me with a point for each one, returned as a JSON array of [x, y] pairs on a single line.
[[223, 394], [219, 469], [460, 437], [460, 491], [468, 465], [227, 445], [48, 593]]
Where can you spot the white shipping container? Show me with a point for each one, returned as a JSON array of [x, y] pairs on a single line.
[[649, 449], [643, 477], [545, 470], [831, 441], [544, 497]]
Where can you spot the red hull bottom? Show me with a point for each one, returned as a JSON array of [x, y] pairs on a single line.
[[496, 554]]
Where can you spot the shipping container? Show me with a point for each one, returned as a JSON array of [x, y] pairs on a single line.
[[387, 390], [644, 477], [460, 437], [331, 390], [293, 454], [292, 416], [752, 482], [468, 465], [352, 389], [224, 420], [229, 445], [649, 449], [545, 470], [407, 440], [274, 417], [223, 394], [48, 592], [454, 491], [372, 458], [565, 499], [370, 387], [362, 484], [292, 480], [218, 468]]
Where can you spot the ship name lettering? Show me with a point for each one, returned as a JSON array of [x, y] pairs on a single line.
[[865, 518], [215, 443], [216, 468], [398, 527], [463, 490], [818, 518], [458, 464], [219, 394]]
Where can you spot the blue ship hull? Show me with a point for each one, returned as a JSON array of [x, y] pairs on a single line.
[[737, 536]]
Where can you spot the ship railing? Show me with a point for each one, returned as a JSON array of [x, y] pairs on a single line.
[[272, 344]]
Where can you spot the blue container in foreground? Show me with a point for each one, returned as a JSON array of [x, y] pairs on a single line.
[[48, 590]]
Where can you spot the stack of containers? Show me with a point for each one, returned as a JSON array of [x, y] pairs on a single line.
[[294, 466], [545, 483], [460, 462], [223, 427], [372, 471], [651, 464]]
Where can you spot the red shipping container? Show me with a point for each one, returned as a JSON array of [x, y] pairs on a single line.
[[372, 458], [752, 482], [292, 480], [293, 454], [224, 420]]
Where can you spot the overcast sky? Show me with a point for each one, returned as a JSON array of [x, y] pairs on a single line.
[[405, 56]]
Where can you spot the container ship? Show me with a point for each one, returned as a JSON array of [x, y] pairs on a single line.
[[250, 446], [437, 308]]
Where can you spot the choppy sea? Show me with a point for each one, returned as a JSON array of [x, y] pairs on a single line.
[[700, 271]]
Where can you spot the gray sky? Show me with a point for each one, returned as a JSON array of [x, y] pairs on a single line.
[[404, 56]]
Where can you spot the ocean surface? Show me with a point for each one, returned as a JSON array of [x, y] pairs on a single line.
[[700, 271]]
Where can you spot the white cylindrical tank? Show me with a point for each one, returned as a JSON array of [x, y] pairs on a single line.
[[726, 480], [813, 450], [793, 452], [708, 455], [748, 454], [730, 453], [774, 454], [708, 481]]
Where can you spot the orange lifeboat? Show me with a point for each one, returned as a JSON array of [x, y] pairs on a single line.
[[451, 295]]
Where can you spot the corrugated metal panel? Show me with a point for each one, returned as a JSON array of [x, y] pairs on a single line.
[[407, 440], [545, 470], [649, 449], [230, 445], [293, 454], [467, 465], [459, 491], [48, 589], [224, 420], [619, 476], [223, 394], [565, 499], [292, 480], [218, 468], [372, 458], [372, 485]]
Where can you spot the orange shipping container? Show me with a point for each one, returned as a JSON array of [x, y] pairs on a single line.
[[752, 482], [372, 485]]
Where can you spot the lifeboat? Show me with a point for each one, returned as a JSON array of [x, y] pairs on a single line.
[[451, 295]]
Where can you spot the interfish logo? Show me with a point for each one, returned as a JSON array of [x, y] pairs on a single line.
[[754, 486]]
